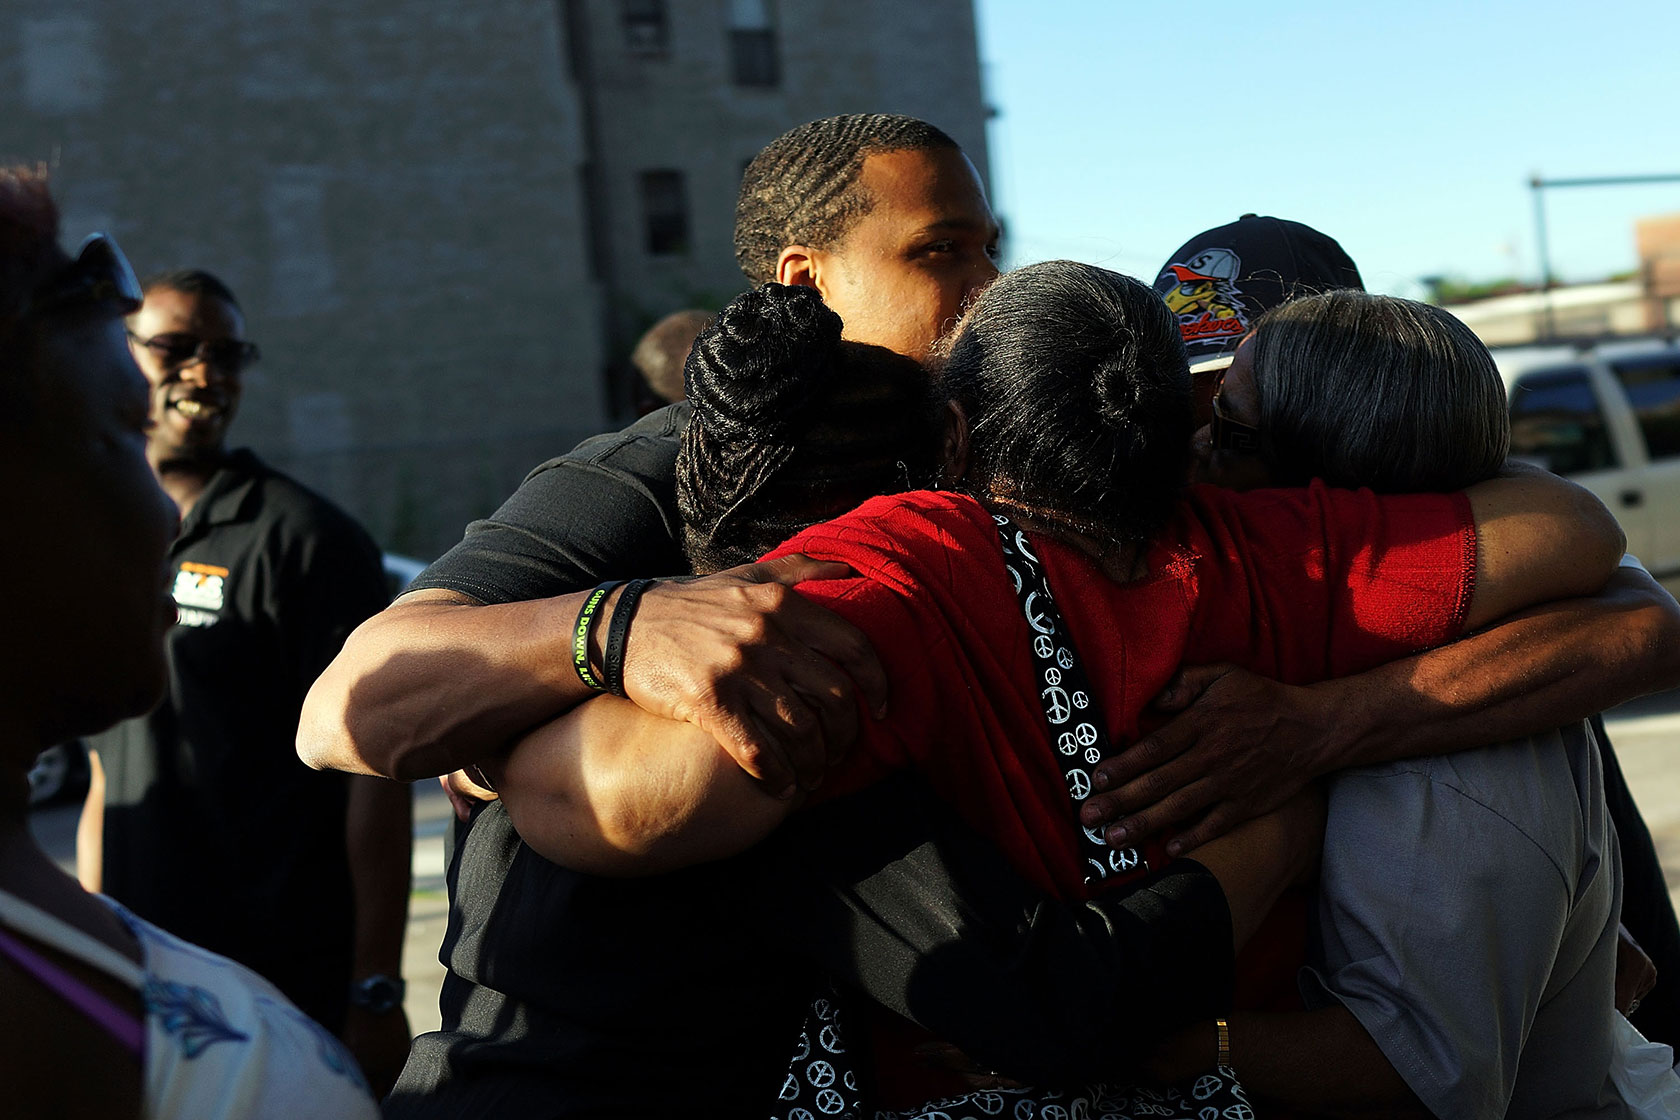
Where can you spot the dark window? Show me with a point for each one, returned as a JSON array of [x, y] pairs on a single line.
[[644, 26], [1653, 389], [752, 44], [1556, 422], [665, 207]]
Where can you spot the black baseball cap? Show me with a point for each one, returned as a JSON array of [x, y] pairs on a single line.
[[1221, 281]]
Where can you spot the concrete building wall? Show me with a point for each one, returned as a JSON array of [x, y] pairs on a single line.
[[389, 189], [395, 190]]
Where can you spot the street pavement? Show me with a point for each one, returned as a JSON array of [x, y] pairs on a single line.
[[1646, 735]]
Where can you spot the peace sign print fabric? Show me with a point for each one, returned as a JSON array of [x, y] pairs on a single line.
[[1214, 1095], [1075, 724], [822, 1077]]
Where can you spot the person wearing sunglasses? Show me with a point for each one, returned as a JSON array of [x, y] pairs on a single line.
[[1035, 369], [201, 818], [1468, 909], [108, 1015], [1252, 743]]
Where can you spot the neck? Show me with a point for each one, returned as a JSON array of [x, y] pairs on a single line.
[[184, 478], [1121, 562]]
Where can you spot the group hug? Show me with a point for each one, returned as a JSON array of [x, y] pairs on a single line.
[[1041, 695]]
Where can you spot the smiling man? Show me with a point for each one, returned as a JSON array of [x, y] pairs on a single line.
[[205, 821]]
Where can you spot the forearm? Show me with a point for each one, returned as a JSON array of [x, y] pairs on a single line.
[[1322, 1062], [1255, 863], [378, 838], [891, 891], [434, 683], [609, 789], [1546, 667]]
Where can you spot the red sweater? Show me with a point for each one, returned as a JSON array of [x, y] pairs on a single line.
[[1299, 585]]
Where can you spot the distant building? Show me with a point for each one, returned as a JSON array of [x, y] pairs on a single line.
[[1571, 311], [1659, 270], [1648, 302], [448, 223]]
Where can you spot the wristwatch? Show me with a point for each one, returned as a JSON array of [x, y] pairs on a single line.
[[379, 994]]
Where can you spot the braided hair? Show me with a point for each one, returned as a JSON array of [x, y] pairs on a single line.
[[802, 188], [1077, 393], [791, 426]]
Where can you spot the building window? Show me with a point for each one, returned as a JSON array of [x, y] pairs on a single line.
[[644, 26], [665, 209], [752, 44]]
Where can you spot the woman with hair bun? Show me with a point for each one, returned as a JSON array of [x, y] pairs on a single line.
[[793, 426], [1070, 398]]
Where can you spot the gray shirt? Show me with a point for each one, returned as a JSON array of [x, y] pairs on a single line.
[[1468, 918]]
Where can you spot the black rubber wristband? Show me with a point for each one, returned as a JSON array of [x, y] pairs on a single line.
[[618, 633], [583, 628]]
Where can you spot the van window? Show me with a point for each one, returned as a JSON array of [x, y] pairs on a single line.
[[1556, 422], [1653, 389]]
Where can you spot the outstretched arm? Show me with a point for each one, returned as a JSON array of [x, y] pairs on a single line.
[[891, 891], [1538, 538], [1244, 743], [437, 681], [1251, 743]]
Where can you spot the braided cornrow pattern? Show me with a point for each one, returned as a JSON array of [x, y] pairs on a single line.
[[800, 190], [791, 426]]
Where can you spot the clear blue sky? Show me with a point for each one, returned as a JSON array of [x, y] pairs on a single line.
[[1406, 132]]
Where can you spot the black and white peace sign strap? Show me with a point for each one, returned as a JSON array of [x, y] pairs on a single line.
[[1076, 726], [822, 1075]]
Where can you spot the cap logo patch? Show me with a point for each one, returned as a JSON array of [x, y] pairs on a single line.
[[1204, 296]]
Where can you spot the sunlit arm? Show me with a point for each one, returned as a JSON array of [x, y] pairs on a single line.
[[1538, 538], [608, 789]]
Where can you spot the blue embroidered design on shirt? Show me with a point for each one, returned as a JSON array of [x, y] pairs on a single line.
[[190, 1014], [285, 1020]]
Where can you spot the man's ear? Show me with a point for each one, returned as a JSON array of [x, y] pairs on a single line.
[[799, 266], [953, 451]]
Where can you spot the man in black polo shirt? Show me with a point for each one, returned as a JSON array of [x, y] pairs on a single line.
[[211, 826], [574, 995], [569, 995]]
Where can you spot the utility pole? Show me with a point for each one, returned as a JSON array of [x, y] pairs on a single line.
[[1538, 185]]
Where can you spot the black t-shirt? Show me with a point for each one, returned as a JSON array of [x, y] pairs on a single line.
[[605, 509], [681, 995], [214, 829], [572, 996]]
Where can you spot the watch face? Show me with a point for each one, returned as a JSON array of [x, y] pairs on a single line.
[[379, 994]]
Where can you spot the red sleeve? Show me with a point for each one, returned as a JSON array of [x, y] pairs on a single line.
[[1323, 583], [924, 561], [934, 597]]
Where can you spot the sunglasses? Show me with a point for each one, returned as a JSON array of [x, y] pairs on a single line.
[[99, 274], [1231, 435], [175, 350]]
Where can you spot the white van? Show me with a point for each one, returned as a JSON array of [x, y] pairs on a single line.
[[1607, 415]]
